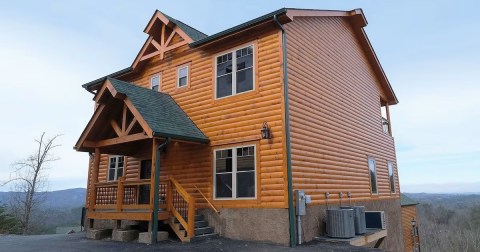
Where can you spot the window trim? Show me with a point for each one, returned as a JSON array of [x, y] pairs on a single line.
[[370, 177], [115, 177], [234, 172], [393, 177], [187, 65], [234, 73], [159, 75]]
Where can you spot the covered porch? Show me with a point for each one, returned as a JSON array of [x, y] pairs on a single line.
[[138, 123]]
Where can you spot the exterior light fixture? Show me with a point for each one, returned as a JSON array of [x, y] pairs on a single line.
[[414, 223], [266, 133]]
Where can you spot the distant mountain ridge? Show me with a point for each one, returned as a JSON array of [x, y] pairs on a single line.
[[69, 198]]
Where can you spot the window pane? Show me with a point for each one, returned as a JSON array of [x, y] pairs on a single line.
[[223, 187], [245, 80], [244, 62], [119, 173], [373, 175], [246, 184], [246, 163], [224, 64], [155, 88], [223, 164], [182, 72], [111, 174], [182, 81], [390, 177], [224, 86]]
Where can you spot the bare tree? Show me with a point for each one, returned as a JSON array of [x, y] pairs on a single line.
[[29, 180]]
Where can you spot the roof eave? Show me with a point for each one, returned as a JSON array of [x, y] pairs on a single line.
[[237, 28], [101, 80], [184, 138]]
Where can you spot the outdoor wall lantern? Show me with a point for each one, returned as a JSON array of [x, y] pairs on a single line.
[[266, 133]]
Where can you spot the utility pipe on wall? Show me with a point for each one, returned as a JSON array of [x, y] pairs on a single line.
[[291, 214]]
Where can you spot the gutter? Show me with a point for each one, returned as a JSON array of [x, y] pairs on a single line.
[[156, 185], [291, 213]]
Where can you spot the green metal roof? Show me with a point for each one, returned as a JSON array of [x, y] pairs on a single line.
[[193, 33], [406, 201], [102, 79], [238, 27], [161, 112]]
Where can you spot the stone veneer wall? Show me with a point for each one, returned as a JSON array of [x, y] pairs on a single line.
[[271, 225], [258, 224]]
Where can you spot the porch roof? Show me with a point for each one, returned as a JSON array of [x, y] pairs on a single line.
[[162, 114]]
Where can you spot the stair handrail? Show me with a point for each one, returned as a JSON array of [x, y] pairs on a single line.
[[189, 224], [209, 203]]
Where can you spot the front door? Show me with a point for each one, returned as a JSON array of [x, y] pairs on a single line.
[[145, 173]]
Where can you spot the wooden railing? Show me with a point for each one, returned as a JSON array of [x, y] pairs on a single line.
[[208, 201], [182, 205], [127, 195]]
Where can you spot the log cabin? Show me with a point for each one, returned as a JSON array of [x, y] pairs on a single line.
[[229, 126]]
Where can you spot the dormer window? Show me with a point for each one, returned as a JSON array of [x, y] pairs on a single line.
[[155, 82], [234, 72]]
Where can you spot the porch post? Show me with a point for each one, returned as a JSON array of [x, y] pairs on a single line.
[[93, 189], [154, 189], [388, 119]]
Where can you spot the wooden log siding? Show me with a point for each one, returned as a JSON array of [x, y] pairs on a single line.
[[235, 120], [335, 112], [408, 213]]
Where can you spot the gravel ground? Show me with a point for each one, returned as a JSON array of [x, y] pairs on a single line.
[[78, 242]]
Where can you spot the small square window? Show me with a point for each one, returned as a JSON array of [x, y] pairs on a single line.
[[155, 82], [182, 79]]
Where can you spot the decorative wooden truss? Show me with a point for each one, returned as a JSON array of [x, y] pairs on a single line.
[[115, 121], [164, 36]]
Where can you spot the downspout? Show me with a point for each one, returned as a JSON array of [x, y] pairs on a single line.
[[291, 210], [156, 183]]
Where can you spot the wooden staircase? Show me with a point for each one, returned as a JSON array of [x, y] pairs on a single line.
[[184, 220], [202, 230]]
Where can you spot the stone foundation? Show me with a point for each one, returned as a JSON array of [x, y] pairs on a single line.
[[258, 224], [124, 235], [146, 237], [98, 234], [271, 225]]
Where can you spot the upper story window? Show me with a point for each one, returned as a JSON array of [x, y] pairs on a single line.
[[373, 175], [234, 173], [391, 179], [155, 82], [234, 72], [115, 167], [182, 76]]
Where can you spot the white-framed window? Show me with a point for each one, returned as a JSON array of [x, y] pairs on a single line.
[[234, 72], [391, 177], [235, 173], [115, 167], [155, 82], [182, 76], [373, 175]]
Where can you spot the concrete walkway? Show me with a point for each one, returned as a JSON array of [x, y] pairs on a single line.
[[78, 242]]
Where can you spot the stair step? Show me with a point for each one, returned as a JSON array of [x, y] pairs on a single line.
[[197, 218], [198, 224], [203, 231], [204, 237]]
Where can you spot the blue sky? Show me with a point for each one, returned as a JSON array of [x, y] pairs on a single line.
[[430, 51]]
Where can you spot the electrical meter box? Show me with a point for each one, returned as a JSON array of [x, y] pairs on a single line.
[[301, 201]]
